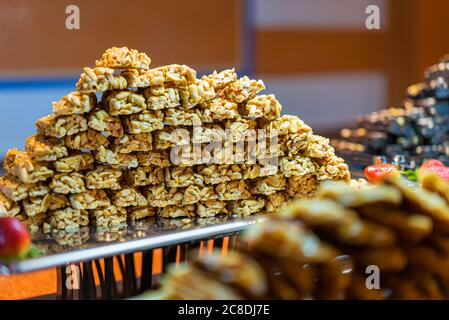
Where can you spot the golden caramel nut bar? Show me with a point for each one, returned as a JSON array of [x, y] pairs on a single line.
[[175, 211], [263, 106], [211, 208], [182, 177], [286, 125], [123, 58], [241, 130], [33, 223], [138, 213], [215, 174], [118, 160], [207, 133], [109, 217], [161, 196], [38, 189], [86, 140], [103, 122], [140, 142], [8, 207], [234, 190], [332, 168], [183, 117], [89, 200], [66, 183], [60, 126], [145, 175], [75, 103], [319, 147], [178, 75], [103, 177], [222, 109], [146, 121], [170, 137], [301, 186], [13, 189], [298, 166], [196, 93], [45, 149], [36, 205], [127, 197], [243, 89], [195, 193], [295, 144], [123, 102], [21, 165], [268, 185], [154, 158], [57, 201], [248, 206], [99, 80], [161, 97], [76, 162], [68, 219], [222, 79], [276, 201]]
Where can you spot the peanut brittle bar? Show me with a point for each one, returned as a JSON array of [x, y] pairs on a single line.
[[196, 93], [248, 207], [123, 102], [154, 158], [243, 89], [138, 213], [8, 207], [20, 164], [221, 109], [182, 177], [268, 185], [100, 79], [86, 140], [127, 197], [263, 106], [13, 189], [36, 205], [68, 219], [61, 126], [103, 177], [123, 58], [103, 122], [115, 159], [89, 200], [145, 175], [146, 121], [161, 196], [173, 211], [234, 190], [222, 79], [297, 166], [211, 208], [140, 142], [66, 183], [45, 149], [76, 162], [109, 217], [161, 97], [186, 117], [75, 103]]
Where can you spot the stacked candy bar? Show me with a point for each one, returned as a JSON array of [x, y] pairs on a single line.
[[419, 129], [382, 242], [162, 142]]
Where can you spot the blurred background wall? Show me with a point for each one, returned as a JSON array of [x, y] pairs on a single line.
[[316, 55]]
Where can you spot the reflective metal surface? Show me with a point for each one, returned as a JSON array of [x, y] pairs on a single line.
[[59, 247]]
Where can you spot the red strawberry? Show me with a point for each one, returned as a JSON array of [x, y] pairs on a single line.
[[378, 172], [431, 164], [14, 239]]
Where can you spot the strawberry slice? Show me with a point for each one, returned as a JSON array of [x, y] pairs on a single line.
[[378, 172]]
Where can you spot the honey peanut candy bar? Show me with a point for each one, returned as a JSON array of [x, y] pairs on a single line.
[[286, 125], [38, 189], [269, 185], [215, 174], [36, 205], [76, 162], [161, 97], [222, 109], [13, 189], [175, 74], [195, 193], [189, 117], [182, 177], [161, 196], [145, 175], [332, 168], [8, 207], [103, 177], [276, 201], [115, 159], [146, 121], [319, 147], [123, 58], [173, 211], [21, 165], [32, 222], [222, 79], [86, 140], [100, 79], [57, 201], [68, 219], [66, 183], [301, 186], [154, 158], [89, 200], [263, 106], [123, 102], [298, 166], [138, 213], [60, 126], [110, 216], [234, 190], [294, 144], [211, 208], [128, 197], [133, 143], [243, 89], [45, 149], [168, 138], [196, 93], [248, 206], [103, 122], [75, 103]]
